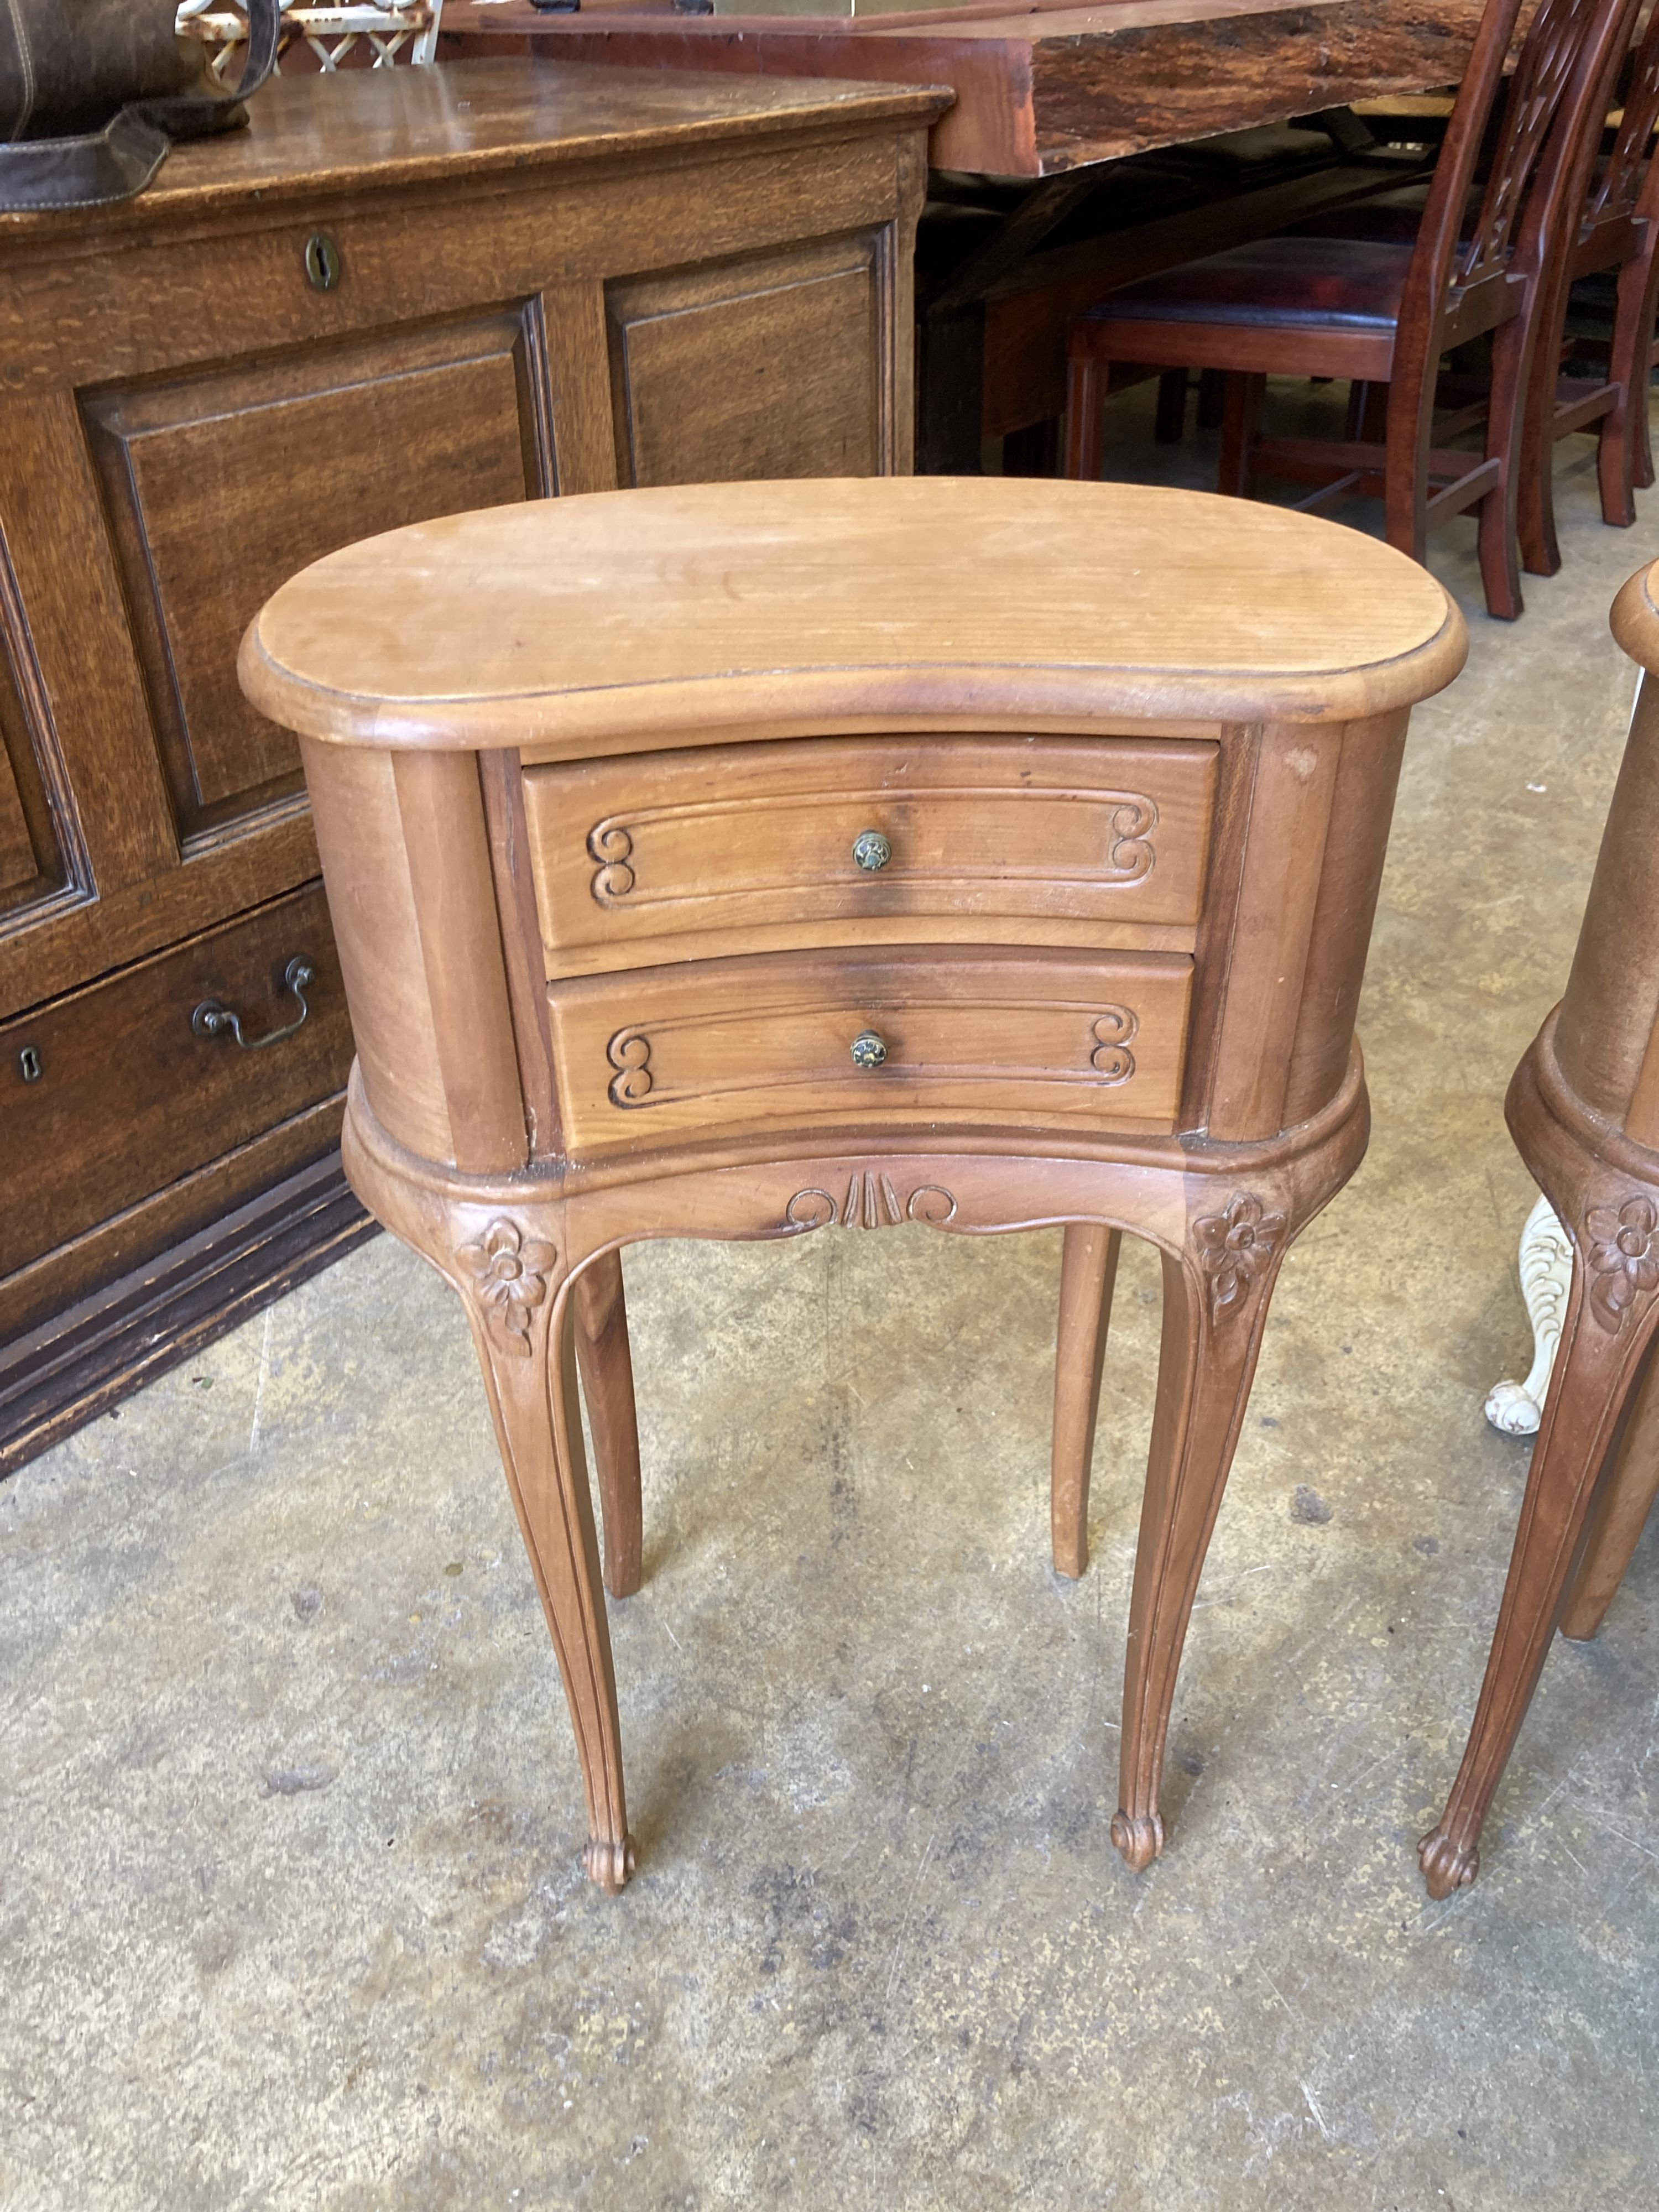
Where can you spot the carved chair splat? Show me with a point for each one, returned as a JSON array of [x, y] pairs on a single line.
[[762, 860], [1381, 311], [1617, 233]]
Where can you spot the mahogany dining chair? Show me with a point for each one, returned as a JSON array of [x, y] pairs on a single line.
[[1618, 236], [1381, 313], [1615, 234]]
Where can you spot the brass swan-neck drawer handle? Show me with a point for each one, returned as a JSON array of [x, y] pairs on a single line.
[[213, 1019], [870, 850], [869, 1049]]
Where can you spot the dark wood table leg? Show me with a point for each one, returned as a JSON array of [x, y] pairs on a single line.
[[951, 327]]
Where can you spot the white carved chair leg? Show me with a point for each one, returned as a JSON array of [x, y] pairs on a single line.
[[1545, 1277]]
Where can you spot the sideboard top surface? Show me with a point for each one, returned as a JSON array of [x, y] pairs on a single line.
[[395, 126], [763, 606]]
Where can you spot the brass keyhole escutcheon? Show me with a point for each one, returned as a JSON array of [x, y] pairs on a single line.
[[324, 265], [28, 1062], [869, 1049], [870, 850]]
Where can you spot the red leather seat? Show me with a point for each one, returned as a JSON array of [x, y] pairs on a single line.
[[1321, 282], [1397, 215]]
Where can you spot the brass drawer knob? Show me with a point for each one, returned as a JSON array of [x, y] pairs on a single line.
[[869, 1050], [872, 850]]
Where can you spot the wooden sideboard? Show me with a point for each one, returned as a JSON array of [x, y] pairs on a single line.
[[398, 295]]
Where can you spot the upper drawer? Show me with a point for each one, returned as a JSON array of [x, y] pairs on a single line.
[[896, 1041], [750, 847]]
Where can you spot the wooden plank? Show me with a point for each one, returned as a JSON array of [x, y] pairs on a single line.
[[82, 1362], [364, 131]]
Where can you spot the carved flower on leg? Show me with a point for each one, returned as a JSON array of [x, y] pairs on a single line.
[[1624, 1257], [1234, 1246], [510, 1280]]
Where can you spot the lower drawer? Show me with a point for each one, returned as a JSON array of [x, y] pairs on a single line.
[[1018, 1039], [110, 1094]]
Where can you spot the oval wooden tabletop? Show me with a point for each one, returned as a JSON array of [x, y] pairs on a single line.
[[1635, 617], [631, 617]]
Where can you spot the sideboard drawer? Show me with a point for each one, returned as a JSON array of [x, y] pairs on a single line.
[[904, 1040], [755, 847], [111, 1094]]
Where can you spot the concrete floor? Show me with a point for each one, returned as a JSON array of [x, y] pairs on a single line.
[[289, 1907]]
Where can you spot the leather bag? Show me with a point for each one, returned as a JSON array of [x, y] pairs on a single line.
[[94, 91]]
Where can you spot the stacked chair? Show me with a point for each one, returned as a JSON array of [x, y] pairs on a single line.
[[1486, 267], [1617, 237], [1614, 239]]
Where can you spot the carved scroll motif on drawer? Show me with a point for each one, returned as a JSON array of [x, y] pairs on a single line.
[[1125, 854], [848, 840], [800, 1039]]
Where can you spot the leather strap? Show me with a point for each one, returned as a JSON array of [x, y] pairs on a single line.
[[39, 174]]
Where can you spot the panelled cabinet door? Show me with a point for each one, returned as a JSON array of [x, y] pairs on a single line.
[[43, 865], [141, 798], [218, 487], [769, 366]]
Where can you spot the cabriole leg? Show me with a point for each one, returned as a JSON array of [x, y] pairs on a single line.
[[521, 1326], [1621, 1513], [1215, 1304], [1608, 1322], [1087, 1270], [606, 1366]]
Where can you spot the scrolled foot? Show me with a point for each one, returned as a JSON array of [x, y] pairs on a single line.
[[1139, 1836], [607, 1864], [1447, 1865]]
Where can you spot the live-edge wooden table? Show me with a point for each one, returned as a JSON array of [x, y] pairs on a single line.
[[742, 861], [1045, 93], [1041, 89]]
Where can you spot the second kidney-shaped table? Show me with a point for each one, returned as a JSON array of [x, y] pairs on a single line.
[[763, 859]]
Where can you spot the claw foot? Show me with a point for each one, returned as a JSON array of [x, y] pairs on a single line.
[[1447, 1865], [607, 1864], [1140, 1837], [1512, 1407], [1546, 1280]]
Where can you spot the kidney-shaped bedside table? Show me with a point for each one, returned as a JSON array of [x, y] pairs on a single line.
[[753, 860]]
